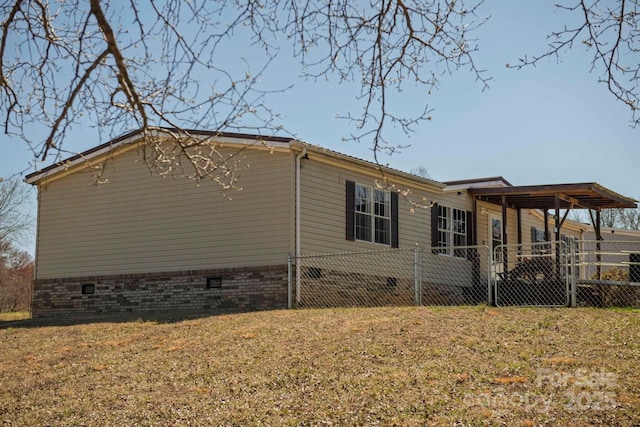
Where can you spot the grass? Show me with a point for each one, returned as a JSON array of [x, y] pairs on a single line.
[[381, 366], [14, 315]]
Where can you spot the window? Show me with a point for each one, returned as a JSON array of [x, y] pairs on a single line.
[[372, 214], [451, 230], [538, 242]]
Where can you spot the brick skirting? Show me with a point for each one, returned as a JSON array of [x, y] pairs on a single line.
[[235, 289]]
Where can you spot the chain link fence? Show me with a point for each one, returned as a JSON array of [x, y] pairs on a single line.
[[563, 273], [409, 276]]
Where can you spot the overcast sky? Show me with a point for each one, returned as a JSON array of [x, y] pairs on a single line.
[[550, 124]]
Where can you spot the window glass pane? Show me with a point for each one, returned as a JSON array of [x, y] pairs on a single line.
[[443, 225], [443, 238], [383, 234], [363, 227], [363, 199], [443, 241], [443, 218], [459, 231], [459, 221], [459, 240], [382, 203]]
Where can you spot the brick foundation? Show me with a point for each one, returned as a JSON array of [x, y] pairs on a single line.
[[240, 289]]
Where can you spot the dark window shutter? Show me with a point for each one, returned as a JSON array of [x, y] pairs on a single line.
[[470, 233], [394, 219], [350, 208], [434, 227], [534, 235]]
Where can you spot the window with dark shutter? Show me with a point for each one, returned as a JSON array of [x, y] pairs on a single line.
[[371, 214]]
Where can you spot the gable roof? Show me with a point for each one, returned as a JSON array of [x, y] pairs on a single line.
[[491, 189], [130, 139], [133, 136]]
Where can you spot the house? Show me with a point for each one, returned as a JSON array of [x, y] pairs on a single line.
[[146, 242]]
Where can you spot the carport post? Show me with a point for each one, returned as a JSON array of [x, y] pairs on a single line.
[[505, 238]]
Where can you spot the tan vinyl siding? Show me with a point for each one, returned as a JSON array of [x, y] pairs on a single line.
[[483, 226], [531, 218], [323, 219], [323, 216], [140, 223]]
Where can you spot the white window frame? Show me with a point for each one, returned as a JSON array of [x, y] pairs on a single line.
[[372, 209], [452, 230]]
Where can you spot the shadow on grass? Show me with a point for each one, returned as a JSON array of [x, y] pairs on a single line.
[[165, 316]]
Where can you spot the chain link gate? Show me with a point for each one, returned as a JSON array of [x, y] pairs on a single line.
[[536, 274]]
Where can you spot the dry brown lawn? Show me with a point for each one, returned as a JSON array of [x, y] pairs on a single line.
[[14, 315], [378, 366]]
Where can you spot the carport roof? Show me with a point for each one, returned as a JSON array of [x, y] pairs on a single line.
[[570, 196]]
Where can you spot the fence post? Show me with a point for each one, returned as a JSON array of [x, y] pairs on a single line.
[[574, 273], [289, 283], [490, 285], [417, 279]]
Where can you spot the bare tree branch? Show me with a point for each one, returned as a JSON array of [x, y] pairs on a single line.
[[49, 143], [157, 64], [386, 47], [611, 31], [14, 194]]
